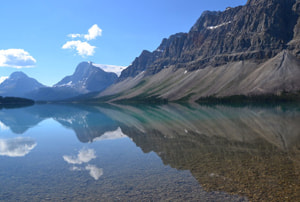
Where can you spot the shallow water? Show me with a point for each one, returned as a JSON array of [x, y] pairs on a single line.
[[159, 153]]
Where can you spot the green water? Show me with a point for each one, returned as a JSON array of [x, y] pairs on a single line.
[[150, 153]]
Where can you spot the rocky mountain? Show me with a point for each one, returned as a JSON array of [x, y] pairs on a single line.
[[87, 78], [250, 49], [18, 85]]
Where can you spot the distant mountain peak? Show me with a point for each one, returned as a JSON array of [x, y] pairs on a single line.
[[18, 74], [87, 78], [18, 84], [83, 69]]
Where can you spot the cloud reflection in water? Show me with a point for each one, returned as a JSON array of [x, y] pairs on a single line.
[[16, 147], [83, 157], [95, 172]]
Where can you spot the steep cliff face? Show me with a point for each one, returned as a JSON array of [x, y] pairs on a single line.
[[249, 36], [139, 64], [294, 45], [257, 31]]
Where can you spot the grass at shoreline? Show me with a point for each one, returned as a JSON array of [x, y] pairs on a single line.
[[267, 99], [252, 99]]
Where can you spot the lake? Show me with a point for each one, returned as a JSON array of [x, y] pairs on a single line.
[[150, 153]]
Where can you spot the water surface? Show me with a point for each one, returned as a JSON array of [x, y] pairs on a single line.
[[160, 153]]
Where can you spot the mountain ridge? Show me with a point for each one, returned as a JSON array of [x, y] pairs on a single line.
[[87, 78], [212, 35], [224, 53]]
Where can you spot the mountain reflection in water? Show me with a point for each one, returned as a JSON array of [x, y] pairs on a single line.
[[249, 151]]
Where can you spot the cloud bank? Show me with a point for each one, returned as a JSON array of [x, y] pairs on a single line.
[[16, 147], [82, 47], [16, 58]]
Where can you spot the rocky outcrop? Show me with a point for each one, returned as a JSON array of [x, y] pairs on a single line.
[[139, 64]]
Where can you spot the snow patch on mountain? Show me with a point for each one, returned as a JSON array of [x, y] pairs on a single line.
[[111, 68], [65, 85], [3, 78], [217, 26]]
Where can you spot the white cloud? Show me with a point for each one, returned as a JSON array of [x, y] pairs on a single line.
[[93, 32], [82, 48], [95, 172], [16, 147], [16, 58], [111, 68], [3, 78], [74, 35], [84, 156]]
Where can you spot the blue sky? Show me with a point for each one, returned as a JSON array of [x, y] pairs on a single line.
[[35, 35]]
